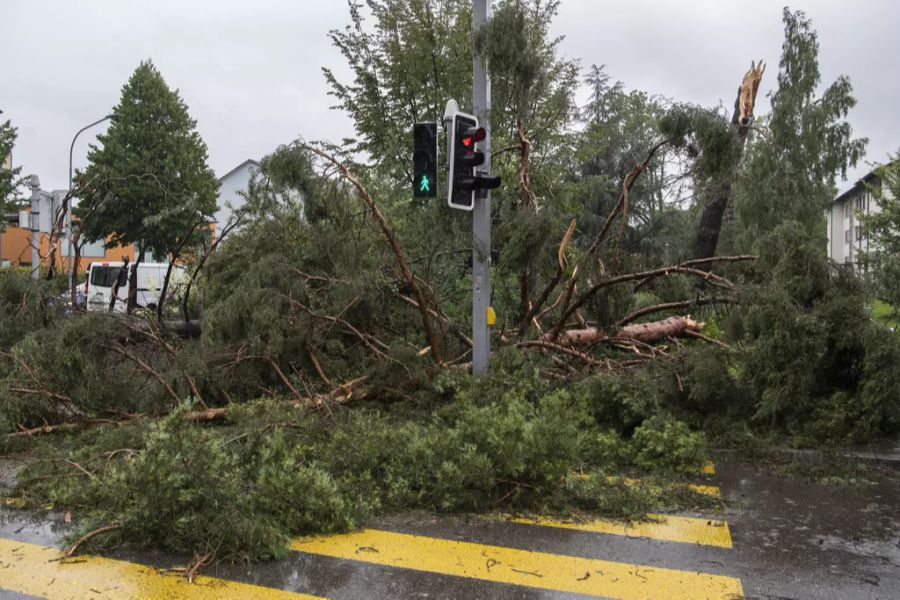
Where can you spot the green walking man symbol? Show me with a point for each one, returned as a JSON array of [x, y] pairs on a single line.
[[424, 184]]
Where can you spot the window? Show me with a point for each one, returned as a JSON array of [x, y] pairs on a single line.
[[104, 276], [846, 210], [846, 236], [89, 250]]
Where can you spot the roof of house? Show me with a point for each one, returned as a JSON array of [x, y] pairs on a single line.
[[861, 184], [239, 167]]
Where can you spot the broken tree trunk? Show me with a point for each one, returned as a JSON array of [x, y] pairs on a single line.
[[641, 332], [713, 214]]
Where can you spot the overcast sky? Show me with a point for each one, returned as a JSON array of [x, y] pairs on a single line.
[[250, 72]]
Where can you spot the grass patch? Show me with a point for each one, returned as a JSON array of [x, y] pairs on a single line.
[[885, 314]]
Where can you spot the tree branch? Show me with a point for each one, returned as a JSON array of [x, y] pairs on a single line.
[[388, 232]]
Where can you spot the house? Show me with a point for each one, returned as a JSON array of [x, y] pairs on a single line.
[[847, 237], [232, 186]]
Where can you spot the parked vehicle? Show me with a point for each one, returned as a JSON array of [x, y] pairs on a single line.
[[102, 277]]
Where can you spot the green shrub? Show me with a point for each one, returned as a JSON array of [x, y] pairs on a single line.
[[664, 443], [622, 401]]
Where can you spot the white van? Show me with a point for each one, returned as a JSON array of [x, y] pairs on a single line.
[[101, 277]]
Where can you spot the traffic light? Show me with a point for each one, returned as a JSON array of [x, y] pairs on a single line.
[[464, 135], [425, 152]]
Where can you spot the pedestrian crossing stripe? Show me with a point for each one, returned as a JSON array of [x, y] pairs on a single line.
[[707, 490], [587, 576], [670, 528], [32, 569]]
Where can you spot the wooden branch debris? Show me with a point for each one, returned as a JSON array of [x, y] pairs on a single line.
[[649, 310], [686, 267], [147, 369], [619, 208], [562, 263], [388, 232], [342, 394], [642, 332], [92, 534]]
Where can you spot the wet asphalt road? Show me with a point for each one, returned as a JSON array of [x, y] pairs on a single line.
[[789, 538], [807, 541]]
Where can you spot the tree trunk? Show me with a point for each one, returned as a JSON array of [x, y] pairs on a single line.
[[642, 332], [163, 291], [120, 279], [133, 282], [711, 225], [76, 264], [165, 287]]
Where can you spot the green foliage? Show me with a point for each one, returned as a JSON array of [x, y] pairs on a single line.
[[710, 381], [619, 129], [664, 443], [622, 401], [414, 57], [24, 305], [148, 181], [883, 231], [508, 441], [807, 144], [70, 370], [9, 181], [811, 349]]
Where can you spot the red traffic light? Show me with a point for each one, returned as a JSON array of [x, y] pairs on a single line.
[[472, 135]]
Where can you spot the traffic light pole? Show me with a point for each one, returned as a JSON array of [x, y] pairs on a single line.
[[481, 214]]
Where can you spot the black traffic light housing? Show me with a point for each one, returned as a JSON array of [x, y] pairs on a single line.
[[464, 135], [425, 158]]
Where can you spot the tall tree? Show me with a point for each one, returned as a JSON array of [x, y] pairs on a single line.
[[619, 127], [406, 64], [8, 177], [532, 90], [151, 185], [791, 169]]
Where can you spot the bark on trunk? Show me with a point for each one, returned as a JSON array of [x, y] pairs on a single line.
[[642, 332], [76, 264], [711, 225], [133, 281]]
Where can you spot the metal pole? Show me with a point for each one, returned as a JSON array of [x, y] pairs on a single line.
[[34, 221], [481, 214], [69, 211]]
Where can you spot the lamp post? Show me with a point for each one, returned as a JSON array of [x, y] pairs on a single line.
[[69, 211]]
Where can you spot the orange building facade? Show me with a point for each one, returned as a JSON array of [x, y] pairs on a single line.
[[15, 251]]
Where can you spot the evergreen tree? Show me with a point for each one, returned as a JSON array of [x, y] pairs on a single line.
[[619, 128], [149, 183], [8, 177]]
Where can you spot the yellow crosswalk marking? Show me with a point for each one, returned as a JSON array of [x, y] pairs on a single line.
[[586, 576], [706, 490], [28, 569], [671, 528]]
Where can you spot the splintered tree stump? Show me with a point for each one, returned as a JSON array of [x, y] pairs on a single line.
[[642, 332]]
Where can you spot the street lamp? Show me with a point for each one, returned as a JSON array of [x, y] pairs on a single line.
[[69, 211]]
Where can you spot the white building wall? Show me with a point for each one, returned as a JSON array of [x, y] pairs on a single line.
[[231, 187], [846, 237]]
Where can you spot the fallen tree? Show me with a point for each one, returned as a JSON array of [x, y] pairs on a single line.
[[647, 333]]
